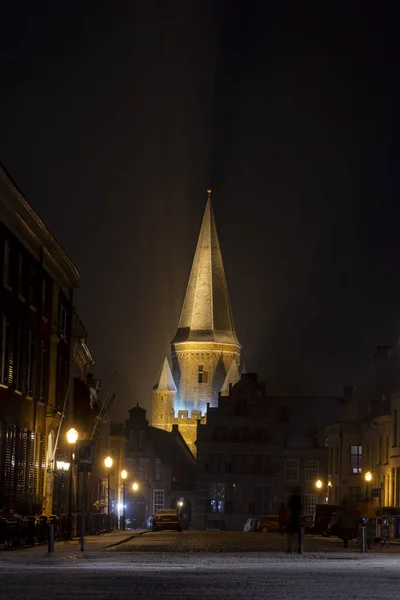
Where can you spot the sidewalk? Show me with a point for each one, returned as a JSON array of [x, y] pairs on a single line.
[[93, 543]]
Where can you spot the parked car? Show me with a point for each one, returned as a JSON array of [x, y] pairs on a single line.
[[322, 517], [264, 524], [336, 525], [166, 519], [251, 524], [269, 523]]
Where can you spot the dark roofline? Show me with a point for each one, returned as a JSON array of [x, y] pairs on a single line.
[[53, 245]]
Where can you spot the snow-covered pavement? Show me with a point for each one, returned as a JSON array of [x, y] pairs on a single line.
[[206, 576]]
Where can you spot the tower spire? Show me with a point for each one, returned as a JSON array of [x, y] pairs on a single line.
[[206, 313]]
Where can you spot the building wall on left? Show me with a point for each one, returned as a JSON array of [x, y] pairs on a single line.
[[36, 300]]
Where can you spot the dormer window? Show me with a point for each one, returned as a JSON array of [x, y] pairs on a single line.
[[202, 375]]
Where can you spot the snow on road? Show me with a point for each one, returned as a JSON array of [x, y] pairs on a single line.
[[204, 576]]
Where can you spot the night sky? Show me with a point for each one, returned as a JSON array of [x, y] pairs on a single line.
[[114, 115]]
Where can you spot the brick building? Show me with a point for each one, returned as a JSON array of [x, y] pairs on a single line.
[[366, 439], [160, 463], [37, 282], [254, 449]]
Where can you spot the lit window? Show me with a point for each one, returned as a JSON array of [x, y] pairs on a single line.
[[216, 497], [292, 470], [158, 500], [312, 470], [355, 459]]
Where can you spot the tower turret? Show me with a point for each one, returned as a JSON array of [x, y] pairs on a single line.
[[164, 393]]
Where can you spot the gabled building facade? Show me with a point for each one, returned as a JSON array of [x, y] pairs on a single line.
[[158, 462]]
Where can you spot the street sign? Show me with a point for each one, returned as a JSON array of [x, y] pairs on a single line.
[[375, 492], [84, 455]]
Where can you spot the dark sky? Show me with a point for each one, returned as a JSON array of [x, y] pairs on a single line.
[[115, 114]]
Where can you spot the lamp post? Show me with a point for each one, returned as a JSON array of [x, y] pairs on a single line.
[[72, 436], [108, 462], [124, 475], [135, 487], [368, 479], [318, 485], [62, 466]]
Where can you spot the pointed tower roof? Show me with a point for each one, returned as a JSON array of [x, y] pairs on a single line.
[[206, 313], [231, 378], [166, 382]]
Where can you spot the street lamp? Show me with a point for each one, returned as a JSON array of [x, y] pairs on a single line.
[[124, 475], [318, 484], [368, 479], [108, 462], [135, 487], [72, 436]]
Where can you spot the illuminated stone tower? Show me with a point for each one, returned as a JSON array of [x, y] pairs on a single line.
[[205, 344]]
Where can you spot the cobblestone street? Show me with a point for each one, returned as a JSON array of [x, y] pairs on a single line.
[[235, 541], [182, 576]]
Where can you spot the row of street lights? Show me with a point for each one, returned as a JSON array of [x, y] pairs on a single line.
[[63, 465], [367, 476], [108, 462]]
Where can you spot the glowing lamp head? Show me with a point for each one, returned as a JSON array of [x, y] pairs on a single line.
[[368, 476], [135, 487], [72, 435], [124, 474], [318, 484], [108, 462]]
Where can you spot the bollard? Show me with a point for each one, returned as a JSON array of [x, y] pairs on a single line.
[[301, 541], [50, 541], [363, 539]]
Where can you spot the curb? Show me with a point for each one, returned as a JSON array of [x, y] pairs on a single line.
[[128, 539]]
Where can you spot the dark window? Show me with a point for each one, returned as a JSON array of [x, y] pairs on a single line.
[[6, 263], [202, 375], [355, 493], [355, 459], [395, 426], [63, 321]]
